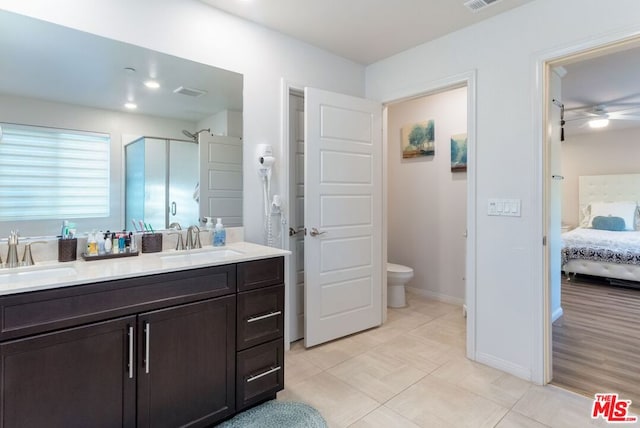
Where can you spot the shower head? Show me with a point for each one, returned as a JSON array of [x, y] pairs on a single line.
[[194, 136]]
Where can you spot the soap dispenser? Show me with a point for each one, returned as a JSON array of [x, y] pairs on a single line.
[[219, 234]]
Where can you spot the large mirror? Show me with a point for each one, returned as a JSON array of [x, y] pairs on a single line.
[[63, 79]]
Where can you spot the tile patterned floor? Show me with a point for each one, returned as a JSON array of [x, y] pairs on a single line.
[[412, 372]]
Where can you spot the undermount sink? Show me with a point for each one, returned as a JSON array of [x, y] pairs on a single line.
[[199, 256], [12, 275]]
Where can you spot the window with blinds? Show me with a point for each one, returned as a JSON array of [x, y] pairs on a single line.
[[48, 173]]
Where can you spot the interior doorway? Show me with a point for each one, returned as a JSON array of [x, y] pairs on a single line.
[[579, 355], [291, 180], [427, 193]]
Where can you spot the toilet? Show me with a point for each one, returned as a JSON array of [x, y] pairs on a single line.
[[397, 278]]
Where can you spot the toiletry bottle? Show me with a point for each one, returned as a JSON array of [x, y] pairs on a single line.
[[133, 247], [92, 244], [107, 242], [100, 241], [115, 249], [219, 234], [121, 243]]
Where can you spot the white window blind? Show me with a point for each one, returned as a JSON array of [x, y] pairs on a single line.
[[48, 173]]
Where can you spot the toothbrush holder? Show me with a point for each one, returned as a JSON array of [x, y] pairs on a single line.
[[67, 249], [152, 242]]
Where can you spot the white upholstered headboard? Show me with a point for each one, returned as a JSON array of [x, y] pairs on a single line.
[[607, 188]]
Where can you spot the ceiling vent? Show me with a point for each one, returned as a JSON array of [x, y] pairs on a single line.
[[190, 92], [476, 5]]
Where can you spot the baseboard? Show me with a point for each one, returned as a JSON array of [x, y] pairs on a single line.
[[505, 366], [436, 296], [556, 314]]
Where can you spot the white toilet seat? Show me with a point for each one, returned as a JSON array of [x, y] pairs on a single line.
[[394, 268]]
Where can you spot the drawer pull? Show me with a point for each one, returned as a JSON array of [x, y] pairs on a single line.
[[262, 317], [147, 333], [130, 352], [268, 372]]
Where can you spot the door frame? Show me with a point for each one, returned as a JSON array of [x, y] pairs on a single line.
[[286, 87], [541, 372], [468, 79]]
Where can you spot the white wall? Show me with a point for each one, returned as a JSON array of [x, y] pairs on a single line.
[[504, 50], [427, 202], [598, 152], [121, 126], [193, 30], [227, 123]]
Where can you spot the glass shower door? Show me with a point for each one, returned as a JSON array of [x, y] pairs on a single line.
[[184, 194]]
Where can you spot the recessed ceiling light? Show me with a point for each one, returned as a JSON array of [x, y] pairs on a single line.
[[131, 106], [152, 84]]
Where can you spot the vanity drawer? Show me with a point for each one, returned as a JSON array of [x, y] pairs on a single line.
[[260, 316], [40, 311], [260, 273], [260, 373]]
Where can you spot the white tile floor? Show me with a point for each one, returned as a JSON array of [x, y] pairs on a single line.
[[412, 372]]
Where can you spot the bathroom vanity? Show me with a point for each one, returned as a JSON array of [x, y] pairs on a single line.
[[156, 341]]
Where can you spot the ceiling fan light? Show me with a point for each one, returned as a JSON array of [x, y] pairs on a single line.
[[598, 123]]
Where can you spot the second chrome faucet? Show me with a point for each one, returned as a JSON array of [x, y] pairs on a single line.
[[12, 253], [191, 241]]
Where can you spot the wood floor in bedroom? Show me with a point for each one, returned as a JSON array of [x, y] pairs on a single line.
[[596, 343]]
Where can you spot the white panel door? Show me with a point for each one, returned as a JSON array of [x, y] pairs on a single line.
[[343, 215], [221, 178]]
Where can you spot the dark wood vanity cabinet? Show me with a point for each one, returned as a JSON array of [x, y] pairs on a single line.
[[74, 377], [151, 351], [260, 331], [187, 365]]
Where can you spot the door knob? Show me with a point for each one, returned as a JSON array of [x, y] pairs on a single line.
[[293, 232], [316, 232]]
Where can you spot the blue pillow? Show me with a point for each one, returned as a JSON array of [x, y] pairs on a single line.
[[615, 224]]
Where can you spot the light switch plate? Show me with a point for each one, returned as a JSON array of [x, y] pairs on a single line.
[[504, 207]]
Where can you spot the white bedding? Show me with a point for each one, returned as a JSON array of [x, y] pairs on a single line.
[[616, 241], [602, 253]]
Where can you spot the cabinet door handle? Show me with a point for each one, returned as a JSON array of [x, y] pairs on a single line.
[[130, 352], [147, 345], [268, 372], [262, 317]]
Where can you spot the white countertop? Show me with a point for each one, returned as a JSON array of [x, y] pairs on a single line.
[[49, 275]]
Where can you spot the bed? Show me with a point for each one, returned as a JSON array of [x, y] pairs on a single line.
[[603, 249]]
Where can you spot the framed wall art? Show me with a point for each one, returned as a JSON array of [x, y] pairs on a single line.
[[418, 139], [459, 152]]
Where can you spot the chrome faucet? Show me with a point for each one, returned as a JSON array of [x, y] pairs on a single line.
[[12, 254], [190, 240], [179, 242], [27, 257]]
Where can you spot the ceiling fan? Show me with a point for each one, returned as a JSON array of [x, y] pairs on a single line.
[[598, 116]]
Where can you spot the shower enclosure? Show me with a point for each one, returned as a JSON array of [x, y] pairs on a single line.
[[161, 182]]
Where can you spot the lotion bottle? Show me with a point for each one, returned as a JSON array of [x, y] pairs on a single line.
[[219, 234]]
